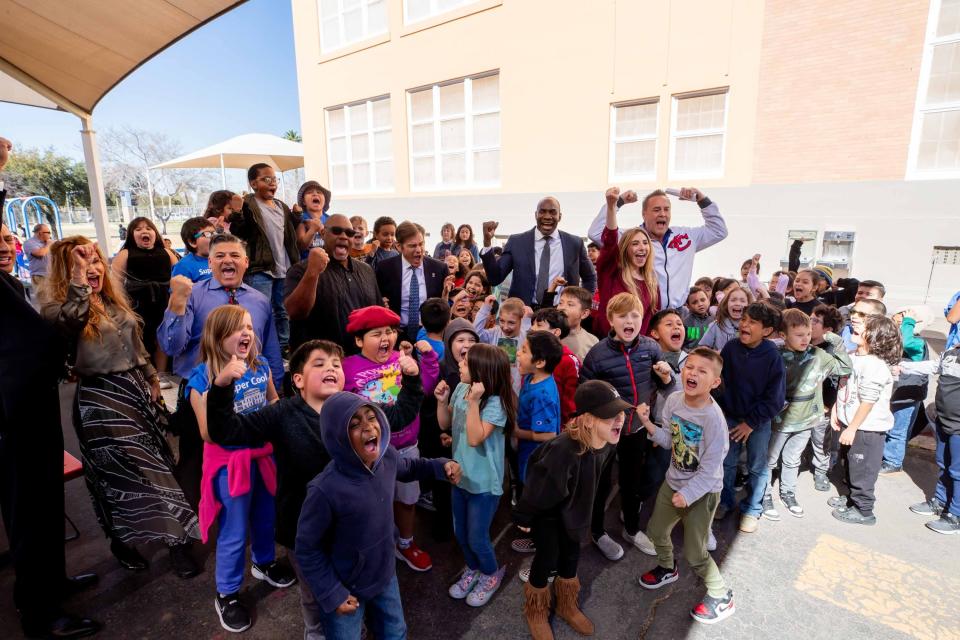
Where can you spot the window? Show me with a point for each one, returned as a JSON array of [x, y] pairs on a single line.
[[698, 128], [633, 140], [935, 144], [343, 22], [417, 10], [359, 147], [455, 134]]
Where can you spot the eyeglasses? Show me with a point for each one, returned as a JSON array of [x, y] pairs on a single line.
[[857, 314], [204, 234], [342, 231], [270, 179]]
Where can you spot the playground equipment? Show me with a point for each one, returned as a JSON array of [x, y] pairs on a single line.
[[21, 210]]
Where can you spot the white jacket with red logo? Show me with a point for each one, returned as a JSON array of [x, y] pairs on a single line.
[[673, 259]]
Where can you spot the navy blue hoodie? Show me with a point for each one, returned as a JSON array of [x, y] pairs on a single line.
[[346, 536], [754, 383]]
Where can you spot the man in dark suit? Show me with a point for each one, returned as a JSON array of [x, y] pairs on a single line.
[[408, 279], [538, 256]]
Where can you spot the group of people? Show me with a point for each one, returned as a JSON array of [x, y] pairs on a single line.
[[330, 383]]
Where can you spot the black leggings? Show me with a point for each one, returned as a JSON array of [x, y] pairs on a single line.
[[556, 551], [641, 472]]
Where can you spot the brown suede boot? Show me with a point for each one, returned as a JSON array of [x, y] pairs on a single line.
[[536, 608], [568, 591]]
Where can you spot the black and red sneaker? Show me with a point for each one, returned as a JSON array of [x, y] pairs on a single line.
[[712, 609], [658, 577]]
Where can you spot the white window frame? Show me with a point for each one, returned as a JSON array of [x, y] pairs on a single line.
[[468, 149], [372, 158], [614, 140], [434, 11], [696, 133], [364, 19], [931, 40]]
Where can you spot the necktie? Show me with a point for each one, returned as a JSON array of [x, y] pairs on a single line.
[[543, 273], [413, 301], [232, 296]]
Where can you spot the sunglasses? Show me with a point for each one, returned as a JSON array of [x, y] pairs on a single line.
[[204, 234], [342, 231]]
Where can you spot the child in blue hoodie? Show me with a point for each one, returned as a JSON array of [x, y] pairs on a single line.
[[345, 537], [753, 393]]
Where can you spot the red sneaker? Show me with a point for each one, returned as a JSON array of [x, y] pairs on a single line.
[[415, 557]]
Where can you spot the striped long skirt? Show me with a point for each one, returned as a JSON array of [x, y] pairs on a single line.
[[128, 463]]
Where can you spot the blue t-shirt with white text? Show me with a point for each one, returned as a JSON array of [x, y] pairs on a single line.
[[538, 410], [195, 267]]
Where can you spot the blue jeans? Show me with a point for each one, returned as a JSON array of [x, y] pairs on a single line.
[[895, 447], [472, 516], [757, 446], [385, 619], [253, 513], [273, 289], [948, 462]]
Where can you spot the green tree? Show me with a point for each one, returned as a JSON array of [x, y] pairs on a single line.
[[35, 172], [292, 134]]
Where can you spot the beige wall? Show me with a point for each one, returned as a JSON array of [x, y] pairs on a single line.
[[838, 81]]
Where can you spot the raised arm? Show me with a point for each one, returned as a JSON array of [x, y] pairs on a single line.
[[299, 297], [714, 227], [227, 428], [173, 334]]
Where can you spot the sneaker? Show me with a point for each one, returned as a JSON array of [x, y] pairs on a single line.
[[887, 469], [768, 510], [789, 500], [415, 557], [947, 524], [837, 502], [711, 541], [659, 577], [741, 481], [608, 547], [485, 588], [524, 575], [165, 383], [821, 482], [425, 501], [233, 615], [852, 515], [931, 507], [276, 574], [712, 609], [182, 561], [462, 587], [748, 523], [523, 545], [640, 541], [721, 512]]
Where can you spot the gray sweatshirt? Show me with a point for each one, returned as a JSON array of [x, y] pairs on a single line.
[[698, 440]]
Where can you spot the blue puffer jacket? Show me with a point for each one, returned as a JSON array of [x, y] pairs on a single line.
[[629, 368], [346, 536]]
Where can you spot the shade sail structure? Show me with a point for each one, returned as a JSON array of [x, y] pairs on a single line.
[[241, 152], [72, 52]]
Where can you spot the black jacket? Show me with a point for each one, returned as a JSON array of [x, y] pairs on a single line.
[[390, 279], [247, 225]]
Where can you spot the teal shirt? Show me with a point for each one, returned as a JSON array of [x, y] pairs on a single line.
[[912, 344], [482, 465]]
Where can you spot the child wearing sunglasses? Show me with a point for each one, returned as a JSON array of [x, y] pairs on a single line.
[[196, 234]]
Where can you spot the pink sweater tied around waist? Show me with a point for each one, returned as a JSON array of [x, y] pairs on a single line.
[[238, 464]]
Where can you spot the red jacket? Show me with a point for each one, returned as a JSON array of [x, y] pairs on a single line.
[[567, 376]]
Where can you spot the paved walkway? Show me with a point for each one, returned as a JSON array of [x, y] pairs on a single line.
[[802, 579]]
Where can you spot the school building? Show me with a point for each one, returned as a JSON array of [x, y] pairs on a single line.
[[838, 122]]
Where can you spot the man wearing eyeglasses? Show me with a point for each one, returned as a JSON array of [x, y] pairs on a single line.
[[269, 228], [321, 291]]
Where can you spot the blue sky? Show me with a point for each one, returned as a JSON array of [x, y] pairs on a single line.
[[235, 75]]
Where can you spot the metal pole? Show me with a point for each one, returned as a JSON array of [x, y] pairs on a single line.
[[933, 263], [223, 173], [98, 201]]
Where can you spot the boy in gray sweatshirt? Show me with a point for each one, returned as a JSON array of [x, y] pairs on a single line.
[[697, 437]]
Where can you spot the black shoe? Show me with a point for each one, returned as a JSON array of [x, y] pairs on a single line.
[[127, 556], [852, 515], [741, 481], [712, 609], [789, 500], [931, 507], [887, 469], [821, 482], [234, 617], [837, 502], [768, 510], [276, 574], [947, 524], [66, 626], [79, 582], [182, 561], [658, 577]]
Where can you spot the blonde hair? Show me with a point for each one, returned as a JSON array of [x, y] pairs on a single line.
[[647, 272], [511, 305], [220, 324], [622, 304], [57, 283], [581, 431]]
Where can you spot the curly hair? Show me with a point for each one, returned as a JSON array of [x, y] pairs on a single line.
[[881, 336]]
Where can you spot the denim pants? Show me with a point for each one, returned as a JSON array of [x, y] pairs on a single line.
[[948, 462], [757, 446], [273, 289], [384, 615], [253, 513], [788, 447], [895, 446], [472, 516]]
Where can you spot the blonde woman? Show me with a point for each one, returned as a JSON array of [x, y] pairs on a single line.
[[126, 459], [627, 266]]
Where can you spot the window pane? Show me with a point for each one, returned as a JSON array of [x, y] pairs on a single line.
[[453, 169], [421, 105], [949, 21], [335, 120], [453, 135], [361, 176], [636, 120], [351, 4], [486, 130], [376, 17], [486, 93], [359, 147], [382, 145], [352, 26], [486, 167], [338, 149], [381, 113], [422, 138], [940, 141], [451, 99], [446, 5], [702, 112], [634, 158], [328, 8], [358, 117], [417, 9], [423, 172], [338, 178], [330, 36], [945, 74], [384, 175], [699, 154]]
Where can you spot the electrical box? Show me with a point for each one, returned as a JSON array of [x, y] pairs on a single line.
[[946, 255]]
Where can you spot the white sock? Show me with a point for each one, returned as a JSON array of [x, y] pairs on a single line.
[[404, 543]]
